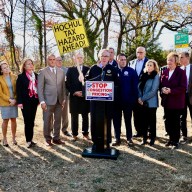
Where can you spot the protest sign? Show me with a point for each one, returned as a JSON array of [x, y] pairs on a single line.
[[99, 90], [70, 36]]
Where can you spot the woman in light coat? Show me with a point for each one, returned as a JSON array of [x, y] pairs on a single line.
[[148, 98]]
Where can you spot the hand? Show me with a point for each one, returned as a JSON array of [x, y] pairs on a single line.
[[44, 106], [12, 102], [166, 90], [63, 104], [81, 78], [140, 101], [78, 94], [20, 106]]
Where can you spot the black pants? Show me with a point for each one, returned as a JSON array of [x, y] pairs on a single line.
[[184, 116], [137, 115], [29, 112], [127, 112], [149, 122], [74, 123], [173, 124]]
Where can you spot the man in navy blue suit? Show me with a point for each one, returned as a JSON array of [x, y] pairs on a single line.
[[138, 65], [126, 98]]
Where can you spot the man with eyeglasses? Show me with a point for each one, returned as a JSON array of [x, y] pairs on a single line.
[[102, 71], [138, 65], [77, 103], [64, 115], [126, 99]]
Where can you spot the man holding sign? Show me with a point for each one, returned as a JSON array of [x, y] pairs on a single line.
[[78, 104]]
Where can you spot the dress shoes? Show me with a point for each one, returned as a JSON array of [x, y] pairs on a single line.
[[29, 145], [66, 133], [169, 143], [183, 140], [58, 142], [137, 135], [5, 144], [116, 143], [175, 146], [86, 137], [130, 142], [33, 143], [152, 142], [75, 138], [48, 143]]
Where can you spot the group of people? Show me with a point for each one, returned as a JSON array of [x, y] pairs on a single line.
[[136, 87]]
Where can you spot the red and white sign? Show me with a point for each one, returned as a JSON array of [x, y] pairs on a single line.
[[99, 90]]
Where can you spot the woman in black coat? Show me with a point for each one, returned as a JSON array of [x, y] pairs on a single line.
[[27, 98]]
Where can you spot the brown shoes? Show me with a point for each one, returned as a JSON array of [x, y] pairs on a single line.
[[48, 143], [58, 142], [75, 138], [86, 137]]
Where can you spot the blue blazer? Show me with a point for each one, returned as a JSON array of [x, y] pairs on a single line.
[[150, 92]]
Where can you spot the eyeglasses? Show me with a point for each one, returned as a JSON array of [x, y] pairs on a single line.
[[104, 56], [140, 52]]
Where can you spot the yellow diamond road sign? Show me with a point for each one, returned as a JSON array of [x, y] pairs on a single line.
[[70, 36]]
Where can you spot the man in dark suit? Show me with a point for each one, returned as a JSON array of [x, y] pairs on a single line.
[[78, 104], [51, 92], [112, 61], [138, 65], [184, 60], [64, 115], [126, 98]]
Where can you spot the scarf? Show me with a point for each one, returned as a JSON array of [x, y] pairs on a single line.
[[32, 85], [143, 79]]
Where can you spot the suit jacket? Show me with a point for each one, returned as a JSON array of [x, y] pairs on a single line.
[[114, 63], [77, 104], [190, 85], [133, 64], [22, 90], [177, 83], [150, 92], [51, 87], [4, 90]]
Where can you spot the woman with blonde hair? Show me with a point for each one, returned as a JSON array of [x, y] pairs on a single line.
[[27, 98], [8, 102], [148, 98], [173, 88]]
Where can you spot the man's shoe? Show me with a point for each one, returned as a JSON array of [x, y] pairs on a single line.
[[33, 143], [183, 140], [137, 135], [130, 142], [152, 142], [86, 137], [48, 143], [58, 142], [29, 144], [116, 143], [169, 143], [66, 133], [75, 138], [175, 146]]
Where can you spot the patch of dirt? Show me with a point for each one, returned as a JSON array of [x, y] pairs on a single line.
[[62, 168]]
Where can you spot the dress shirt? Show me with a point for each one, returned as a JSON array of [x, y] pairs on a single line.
[[139, 66]]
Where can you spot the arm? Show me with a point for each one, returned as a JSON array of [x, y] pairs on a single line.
[[19, 90], [154, 89]]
